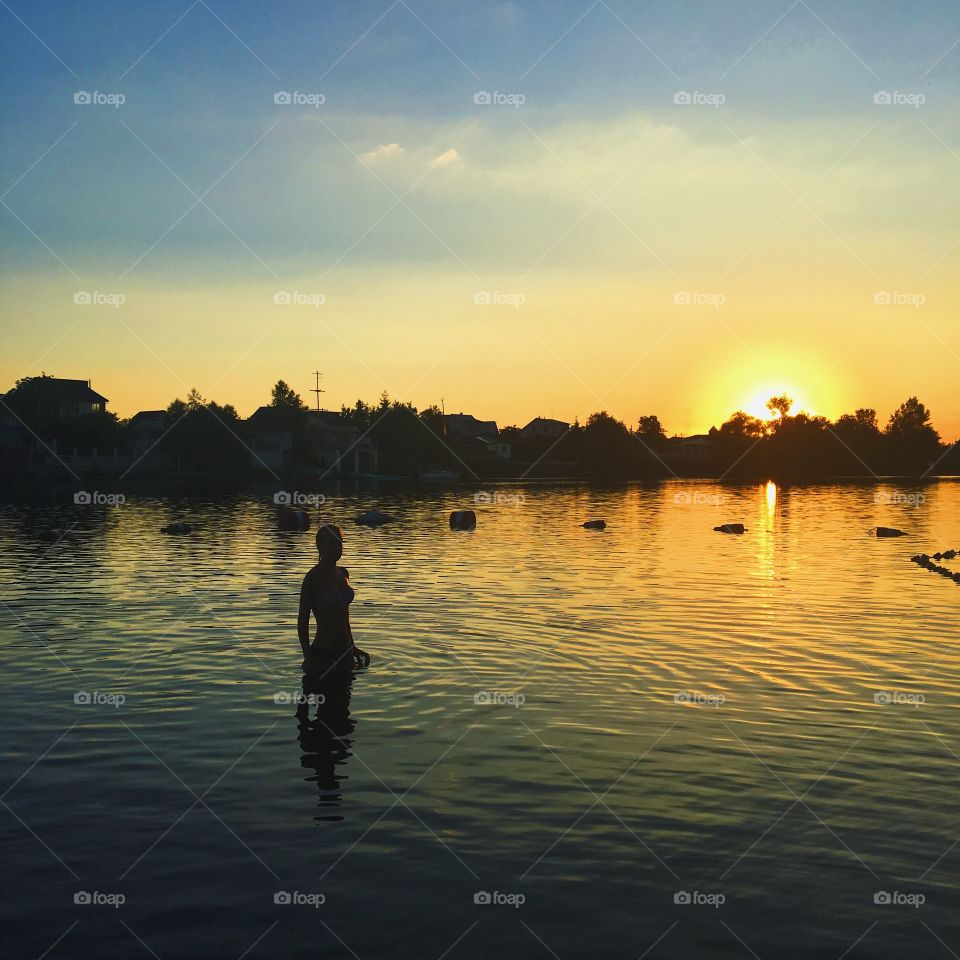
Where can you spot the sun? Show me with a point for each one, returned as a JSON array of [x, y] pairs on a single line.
[[756, 402]]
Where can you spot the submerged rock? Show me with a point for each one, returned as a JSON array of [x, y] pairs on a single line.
[[463, 520], [372, 518], [288, 519], [730, 528], [595, 525], [177, 528]]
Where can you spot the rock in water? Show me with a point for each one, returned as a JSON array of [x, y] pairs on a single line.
[[595, 525], [890, 532], [177, 528], [463, 520], [372, 518], [293, 519], [731, 528]]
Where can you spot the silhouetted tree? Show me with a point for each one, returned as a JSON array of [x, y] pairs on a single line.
[[650, 431], [860, 441], [283, 397], [781, 405], [204, 436], [912, 441]]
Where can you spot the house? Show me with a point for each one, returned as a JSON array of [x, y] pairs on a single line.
[[495, 449], [67, 398], [338, 447], [544, 427], [145, 430], [463, 426], [16, 454], [697, 447], [268, 439]]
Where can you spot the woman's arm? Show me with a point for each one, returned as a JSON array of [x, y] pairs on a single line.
[[303, 617]]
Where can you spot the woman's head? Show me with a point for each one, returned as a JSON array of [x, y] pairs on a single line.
[[330, 542]]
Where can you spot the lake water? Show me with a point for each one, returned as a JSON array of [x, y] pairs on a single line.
[[766, 726]]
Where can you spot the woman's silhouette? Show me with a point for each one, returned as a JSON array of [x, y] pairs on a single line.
[[327, 594]]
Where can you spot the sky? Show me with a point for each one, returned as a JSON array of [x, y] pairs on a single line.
[[515, 209]]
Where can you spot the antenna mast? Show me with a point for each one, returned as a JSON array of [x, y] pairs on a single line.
[[317, 389]]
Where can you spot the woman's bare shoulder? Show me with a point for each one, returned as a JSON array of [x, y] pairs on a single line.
[[345, 572]]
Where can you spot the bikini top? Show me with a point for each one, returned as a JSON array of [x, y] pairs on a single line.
[[334, 595]]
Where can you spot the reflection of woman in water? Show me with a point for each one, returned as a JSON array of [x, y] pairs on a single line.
[[327, 594], [325, 739]]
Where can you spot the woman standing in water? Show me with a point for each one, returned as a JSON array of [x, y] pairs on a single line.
[[327, 594]]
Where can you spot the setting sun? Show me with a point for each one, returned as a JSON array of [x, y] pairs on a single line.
[[756, 405]]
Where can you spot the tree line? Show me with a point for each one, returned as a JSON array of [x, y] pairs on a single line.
[[201, 435]]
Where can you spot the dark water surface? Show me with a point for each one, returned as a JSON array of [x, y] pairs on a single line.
[[768, 720]]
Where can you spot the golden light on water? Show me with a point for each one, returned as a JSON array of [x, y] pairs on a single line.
[[771, 494]]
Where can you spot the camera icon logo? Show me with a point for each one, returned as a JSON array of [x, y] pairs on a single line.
[[882, 897], [882, 298], [81, 696], [682, 697], [82, 897], [482, 98], [682, 297], [282, 97], [882, 97], [482, 497], [282, 297], [482, 697], [682, 897], [482, 298], [282, 897], [82, 96], [83, 297], [682, 97], [282, 697], [282, 498], [883, 696], [82, 498], [482, 897]]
